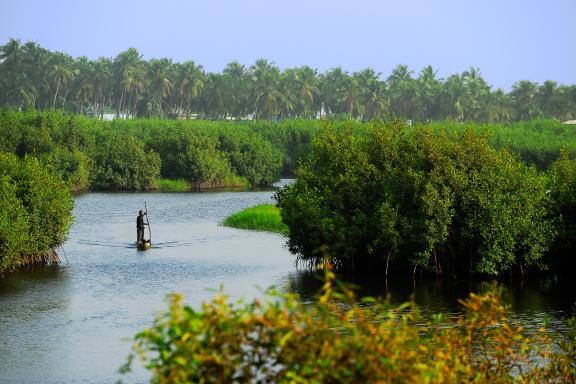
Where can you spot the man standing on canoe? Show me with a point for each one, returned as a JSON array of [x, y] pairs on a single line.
[[140, 227]]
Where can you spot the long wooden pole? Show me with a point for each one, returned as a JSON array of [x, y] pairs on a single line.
[[148, 222]]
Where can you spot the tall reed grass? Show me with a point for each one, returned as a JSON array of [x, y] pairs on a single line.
[[181, 185], [171, 185], [261, 218]]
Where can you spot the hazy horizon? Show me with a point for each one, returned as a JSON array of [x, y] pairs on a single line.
[[508, 41]]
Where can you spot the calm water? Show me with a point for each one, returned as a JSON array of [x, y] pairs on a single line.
[[72, 323]]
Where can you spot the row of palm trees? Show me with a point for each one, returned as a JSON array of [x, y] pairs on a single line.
[[31, 76]]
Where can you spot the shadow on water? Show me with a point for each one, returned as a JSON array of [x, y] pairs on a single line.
[[537, 295], [35, 280]]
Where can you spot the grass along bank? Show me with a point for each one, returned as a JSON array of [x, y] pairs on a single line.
[[181, 185], [264, 217]]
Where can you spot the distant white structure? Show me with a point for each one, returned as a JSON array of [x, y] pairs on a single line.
[[571, 122], [108, 116], [111, 116]]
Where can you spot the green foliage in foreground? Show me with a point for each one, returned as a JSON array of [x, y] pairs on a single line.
[[35, 212], [338, 340], [262, 218], [417, 197]]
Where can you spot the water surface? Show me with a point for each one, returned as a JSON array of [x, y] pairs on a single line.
[[71, 323]]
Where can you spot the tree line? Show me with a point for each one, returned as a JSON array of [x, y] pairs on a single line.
[[144, 154], [91, 154], [128, 86]]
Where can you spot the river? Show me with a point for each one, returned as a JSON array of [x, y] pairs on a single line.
[[73, 323]]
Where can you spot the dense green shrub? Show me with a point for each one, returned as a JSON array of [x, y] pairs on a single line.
[[122, 164], [35, 212], [536, 141], [73, 166], [339, 340], [450, 203], [14, 236], [292, 137], [251, 156], [189, 155]]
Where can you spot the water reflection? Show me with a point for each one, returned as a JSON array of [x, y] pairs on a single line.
[[531, 301], [33, 303]]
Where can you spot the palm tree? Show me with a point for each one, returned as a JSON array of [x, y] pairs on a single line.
[[477, 91], [289, 95], [429, 89], [307, 92], [212, 98], [160, 84], [11, 55], [266, 95], [101, 78], [495, 107], [334, 85], [36, 67], [372, 94], [403, 91], [189, 84], [523, 100], [16, 89], [237, 82], [547, 99], [124, 68], [452, 98], [61, 74], [565, 102], [82, 87], [135, 82]]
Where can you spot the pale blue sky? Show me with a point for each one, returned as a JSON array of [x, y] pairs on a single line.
[[509, 40]]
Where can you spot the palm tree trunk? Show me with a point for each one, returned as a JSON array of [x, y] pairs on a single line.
[[120, 104], [134, 105], [56, 94], [65, 96]]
